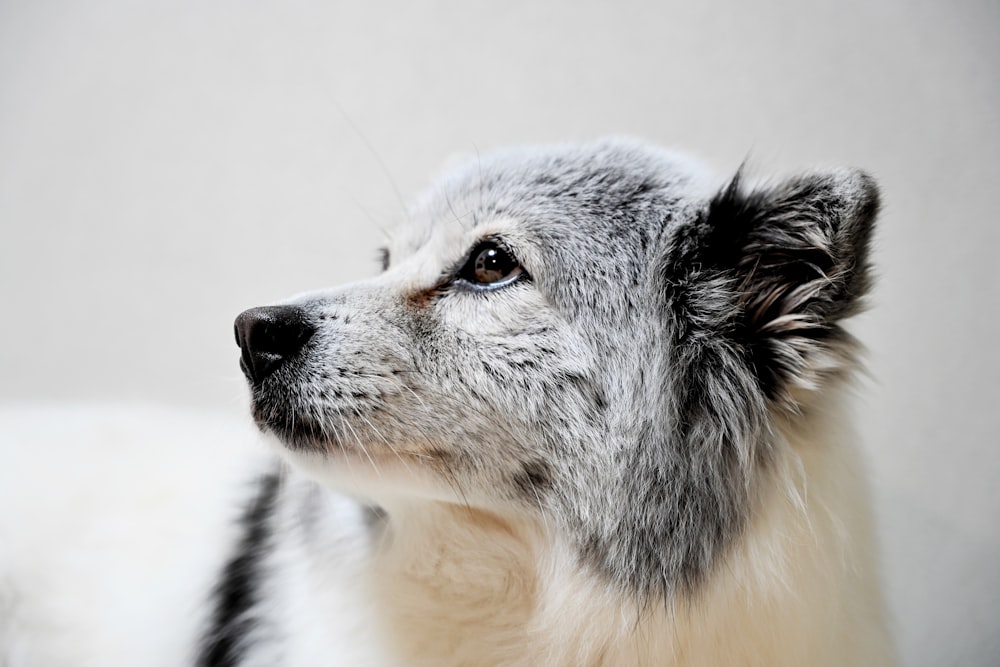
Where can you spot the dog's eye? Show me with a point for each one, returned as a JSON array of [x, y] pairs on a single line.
[[490, 265]]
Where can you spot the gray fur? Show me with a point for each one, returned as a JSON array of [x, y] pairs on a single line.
[[624, 390]]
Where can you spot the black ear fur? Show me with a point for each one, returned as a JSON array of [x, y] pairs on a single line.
[[793, 260]]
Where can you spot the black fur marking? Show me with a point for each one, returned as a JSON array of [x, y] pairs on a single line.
[[374, 517], [236, 594], [533, 480]]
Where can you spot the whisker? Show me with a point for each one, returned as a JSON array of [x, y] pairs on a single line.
[[375, 154], [386, 441], [455, 215], [350, 466], [372, 219], [361, 445]]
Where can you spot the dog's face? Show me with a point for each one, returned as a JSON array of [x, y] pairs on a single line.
[[592, 334]]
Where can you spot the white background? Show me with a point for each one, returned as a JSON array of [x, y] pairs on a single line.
[[164, 165]]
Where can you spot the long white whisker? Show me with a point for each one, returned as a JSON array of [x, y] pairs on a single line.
[[361, 445], [387, 443], [375, 154]]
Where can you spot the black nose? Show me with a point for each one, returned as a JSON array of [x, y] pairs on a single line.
[[268, 336]]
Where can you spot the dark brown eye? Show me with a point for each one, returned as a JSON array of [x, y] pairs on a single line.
[[490, 265]]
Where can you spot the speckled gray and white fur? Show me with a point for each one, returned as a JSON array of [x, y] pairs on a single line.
[[630, 402]]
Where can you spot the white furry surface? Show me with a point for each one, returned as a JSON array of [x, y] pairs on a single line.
[[115, 520]]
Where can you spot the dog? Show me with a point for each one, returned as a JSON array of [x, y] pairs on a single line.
[[593, 411]]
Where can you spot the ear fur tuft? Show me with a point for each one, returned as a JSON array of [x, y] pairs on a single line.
[[795, 260]]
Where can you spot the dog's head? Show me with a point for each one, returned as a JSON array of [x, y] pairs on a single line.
[[596, 334]]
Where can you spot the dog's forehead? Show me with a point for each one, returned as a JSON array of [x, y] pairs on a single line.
[[552, 192]]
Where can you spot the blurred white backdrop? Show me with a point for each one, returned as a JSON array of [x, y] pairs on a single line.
[[164, 165]]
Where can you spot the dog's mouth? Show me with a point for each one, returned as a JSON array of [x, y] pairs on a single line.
[[306, 416], [294, 430], [354, 400]]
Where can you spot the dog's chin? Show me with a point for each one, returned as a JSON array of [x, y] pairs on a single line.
[[293, 430]]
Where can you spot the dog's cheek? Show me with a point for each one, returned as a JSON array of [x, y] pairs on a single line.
[[505, 311]]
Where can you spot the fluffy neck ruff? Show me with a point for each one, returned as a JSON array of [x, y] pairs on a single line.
[[459, 586]]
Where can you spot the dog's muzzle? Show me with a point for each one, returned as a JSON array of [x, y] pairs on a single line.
[[268, 336]]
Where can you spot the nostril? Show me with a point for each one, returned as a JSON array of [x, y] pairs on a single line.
[[268, 336]]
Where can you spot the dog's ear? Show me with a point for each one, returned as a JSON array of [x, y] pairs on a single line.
[[791, 262]]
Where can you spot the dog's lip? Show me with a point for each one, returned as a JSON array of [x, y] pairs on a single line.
[[293, 430], [292, 439]]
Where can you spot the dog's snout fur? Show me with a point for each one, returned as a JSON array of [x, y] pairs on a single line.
[[269, 335]]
